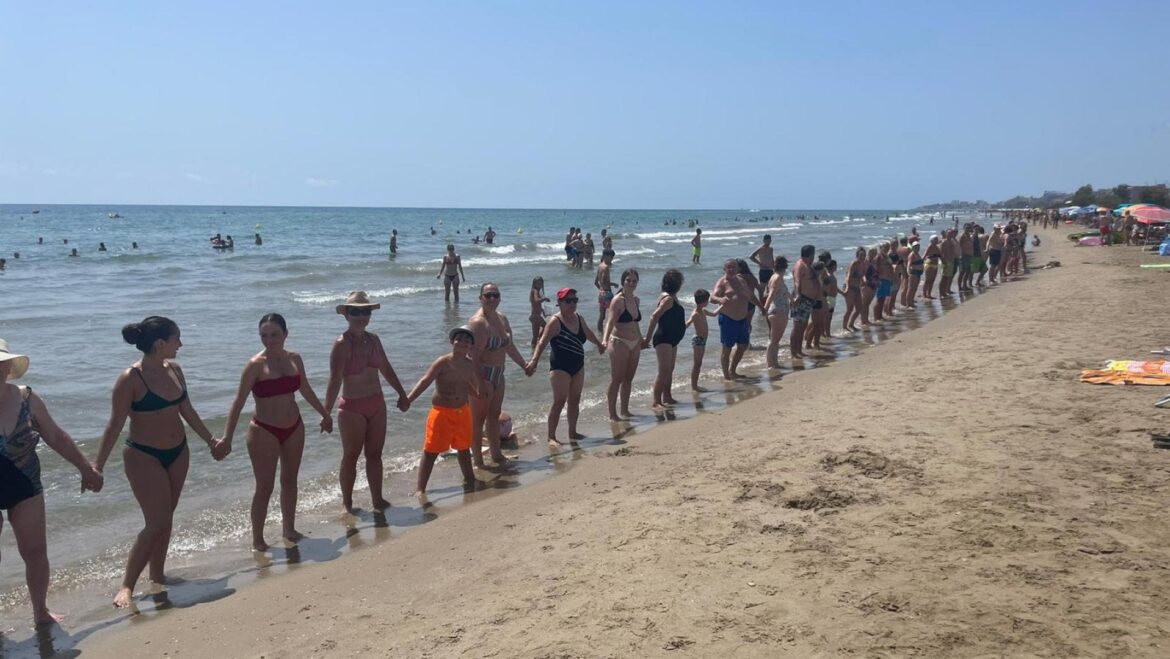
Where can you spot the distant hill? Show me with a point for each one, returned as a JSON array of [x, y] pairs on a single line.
[[1046, 200], [1085, 195]]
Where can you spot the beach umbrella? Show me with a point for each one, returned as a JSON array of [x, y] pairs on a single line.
[[1069, 210], [1120, 207], [1150, 214], [1086, 210]]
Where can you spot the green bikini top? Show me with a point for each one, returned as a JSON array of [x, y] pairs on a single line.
[[152, 402]]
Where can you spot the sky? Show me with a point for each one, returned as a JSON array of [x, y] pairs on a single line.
[[552, 104]]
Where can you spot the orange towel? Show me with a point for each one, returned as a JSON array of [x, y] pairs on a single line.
[[1120, 377]]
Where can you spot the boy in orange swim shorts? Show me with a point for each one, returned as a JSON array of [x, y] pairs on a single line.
[[449, 423]]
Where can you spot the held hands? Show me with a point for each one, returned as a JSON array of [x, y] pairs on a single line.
[[220, 448], [403, 403], [91, 479], [327, 424], [646, 343], [530, 368]]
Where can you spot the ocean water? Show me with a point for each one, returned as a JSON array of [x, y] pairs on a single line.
[[67, 313]]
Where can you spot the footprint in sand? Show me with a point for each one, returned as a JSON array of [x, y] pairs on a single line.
[[820, 498]]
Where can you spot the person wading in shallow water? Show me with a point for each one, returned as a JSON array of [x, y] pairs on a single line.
[[24, 421], [356, 364]]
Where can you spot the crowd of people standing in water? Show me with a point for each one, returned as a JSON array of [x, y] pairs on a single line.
[[470, 382]]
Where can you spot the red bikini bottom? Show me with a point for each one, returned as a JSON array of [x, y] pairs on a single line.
[[279, 433]]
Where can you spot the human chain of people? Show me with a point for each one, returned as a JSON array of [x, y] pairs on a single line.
[[469, 383]]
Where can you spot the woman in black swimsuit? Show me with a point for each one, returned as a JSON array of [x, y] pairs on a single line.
[[153, 394], [24, 421], [667, 326], [566, 332]]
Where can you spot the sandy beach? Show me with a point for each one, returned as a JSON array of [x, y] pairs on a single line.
[[953, 490]]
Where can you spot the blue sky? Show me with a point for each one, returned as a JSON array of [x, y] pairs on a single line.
[[578, 105]]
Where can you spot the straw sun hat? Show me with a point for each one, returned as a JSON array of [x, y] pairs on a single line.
[[19, 362], [357, 299]]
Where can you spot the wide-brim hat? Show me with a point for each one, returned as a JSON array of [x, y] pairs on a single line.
[[357, 299], [19, 362]]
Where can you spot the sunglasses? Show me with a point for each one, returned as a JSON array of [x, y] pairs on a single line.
[[570, 300], [490, 296], [360, 311]]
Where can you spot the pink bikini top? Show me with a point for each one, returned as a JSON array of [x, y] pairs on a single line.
[[356, 365]]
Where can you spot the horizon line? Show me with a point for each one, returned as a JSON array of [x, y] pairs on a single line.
[[33, 206]]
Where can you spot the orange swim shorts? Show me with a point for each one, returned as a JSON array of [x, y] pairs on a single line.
[[447, 428]]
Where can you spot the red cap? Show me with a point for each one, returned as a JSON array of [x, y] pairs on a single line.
[[565, 292]]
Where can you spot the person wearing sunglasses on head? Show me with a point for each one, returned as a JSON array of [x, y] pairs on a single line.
[[566, 332], [356, 364], [493, 344]]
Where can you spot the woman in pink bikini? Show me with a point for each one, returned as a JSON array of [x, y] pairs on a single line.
[[276, 432], [355, 364]]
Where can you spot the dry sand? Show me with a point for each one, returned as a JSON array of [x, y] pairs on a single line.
[[952, 491]]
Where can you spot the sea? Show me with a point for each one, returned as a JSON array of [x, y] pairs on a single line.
[[67, 312]]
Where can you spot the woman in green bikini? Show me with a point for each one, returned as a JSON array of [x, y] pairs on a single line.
[[153, 394]]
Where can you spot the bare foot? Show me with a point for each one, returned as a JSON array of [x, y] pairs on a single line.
[[124, 599], [47, 617], [670, 401], [573, 434], [380, 504], [294, 536], [627, 414], [347, 507], [615, 418], [552, 441], [164, 580], [259, 545]]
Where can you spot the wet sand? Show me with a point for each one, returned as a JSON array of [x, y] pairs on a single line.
[[953, 490]]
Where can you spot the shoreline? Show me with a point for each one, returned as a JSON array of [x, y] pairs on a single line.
[[584, 475]]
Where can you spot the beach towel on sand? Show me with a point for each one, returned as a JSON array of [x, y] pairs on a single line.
[[1124, 371]]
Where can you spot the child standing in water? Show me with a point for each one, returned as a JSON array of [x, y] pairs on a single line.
[[449, 422], [698, 321], [537, 299]]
